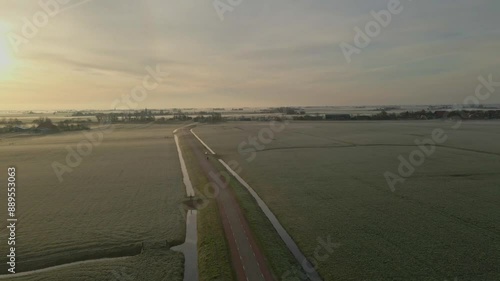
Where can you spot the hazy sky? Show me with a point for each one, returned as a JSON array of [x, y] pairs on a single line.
[[264, 53]]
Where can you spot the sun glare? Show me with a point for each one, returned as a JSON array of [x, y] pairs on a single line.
[[5, 58]]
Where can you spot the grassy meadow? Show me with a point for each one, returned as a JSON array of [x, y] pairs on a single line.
[[326, 179], [125, 192], [151, 265]]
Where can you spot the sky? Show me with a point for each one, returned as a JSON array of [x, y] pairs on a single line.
[[242, 53]]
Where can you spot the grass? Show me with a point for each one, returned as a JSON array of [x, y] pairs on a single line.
[[126, 191], [213, 252], [326, 179]]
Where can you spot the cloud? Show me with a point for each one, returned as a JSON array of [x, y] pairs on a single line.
[[264, 53]]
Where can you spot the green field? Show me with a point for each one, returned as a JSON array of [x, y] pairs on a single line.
[[125, 192], [321, 179], [326, 179], [151, 265]]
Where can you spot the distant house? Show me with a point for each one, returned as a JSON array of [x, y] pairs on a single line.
[[337, 117]]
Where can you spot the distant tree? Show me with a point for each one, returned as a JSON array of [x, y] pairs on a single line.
[[43, 121], [384, 114]]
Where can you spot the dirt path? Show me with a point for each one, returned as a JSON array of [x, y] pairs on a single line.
[[247, 259]]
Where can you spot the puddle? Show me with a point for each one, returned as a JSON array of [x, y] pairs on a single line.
[[190, 247]]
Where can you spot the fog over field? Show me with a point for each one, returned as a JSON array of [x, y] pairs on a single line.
[[327, 179]]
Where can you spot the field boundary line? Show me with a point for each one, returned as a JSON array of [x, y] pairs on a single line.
[[202, 142], [61, 266]]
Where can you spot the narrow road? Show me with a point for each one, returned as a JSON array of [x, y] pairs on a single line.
[[246, 257]]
